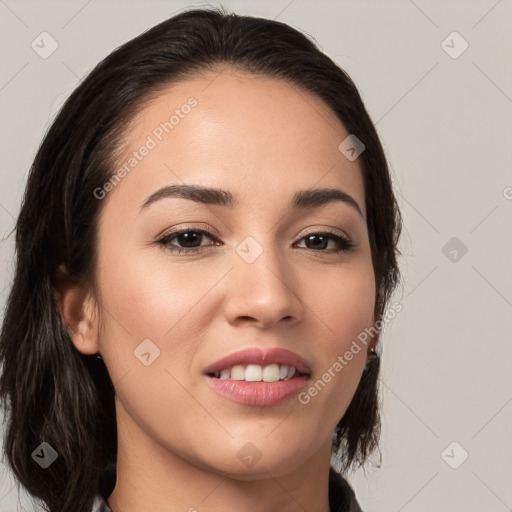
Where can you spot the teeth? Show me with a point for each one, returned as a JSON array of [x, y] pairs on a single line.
[[224, 374], [257, 373], [291, 372], [271, 373], [253, 373], [238, 373]]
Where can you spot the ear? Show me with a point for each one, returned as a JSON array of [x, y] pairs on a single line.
[[78, 311], [375, 337]]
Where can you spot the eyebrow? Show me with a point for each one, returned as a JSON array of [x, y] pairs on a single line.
[[200, 194]]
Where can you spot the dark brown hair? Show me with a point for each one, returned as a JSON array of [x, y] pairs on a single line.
[[50, 391]]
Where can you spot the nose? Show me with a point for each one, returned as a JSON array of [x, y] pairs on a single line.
[[263, 293]]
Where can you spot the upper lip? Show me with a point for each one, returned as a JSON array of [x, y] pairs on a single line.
[[261, 357]]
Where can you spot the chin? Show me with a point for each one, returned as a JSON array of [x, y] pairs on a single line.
[[256, 461]]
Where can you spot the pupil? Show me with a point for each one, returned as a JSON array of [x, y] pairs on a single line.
[[322, 240], [189, 238]]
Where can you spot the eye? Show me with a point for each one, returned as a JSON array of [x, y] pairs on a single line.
[[190, 241], [317, 241], [188, 237]]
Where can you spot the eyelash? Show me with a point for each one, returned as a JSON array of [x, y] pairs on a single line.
[[345, 244]]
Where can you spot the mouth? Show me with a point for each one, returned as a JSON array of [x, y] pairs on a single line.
[[258, 373], [259, 378]]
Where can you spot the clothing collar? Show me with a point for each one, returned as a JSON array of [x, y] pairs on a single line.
[[341, 496]]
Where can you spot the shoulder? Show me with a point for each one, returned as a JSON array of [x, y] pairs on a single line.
[[341, 496]]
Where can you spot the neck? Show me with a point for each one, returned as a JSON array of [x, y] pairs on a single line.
[[152, 478]]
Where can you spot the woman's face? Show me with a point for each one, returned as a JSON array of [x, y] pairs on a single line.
[[266, 276]]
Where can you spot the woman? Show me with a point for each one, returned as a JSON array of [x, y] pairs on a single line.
[[207, 242]]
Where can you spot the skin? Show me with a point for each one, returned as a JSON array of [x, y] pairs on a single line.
[[263, 140]]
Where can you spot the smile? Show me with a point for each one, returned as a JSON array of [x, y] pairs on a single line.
[[258, 377], [258, 373]]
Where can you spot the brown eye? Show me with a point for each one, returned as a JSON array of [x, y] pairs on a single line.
[[319, 242], [189, 240]]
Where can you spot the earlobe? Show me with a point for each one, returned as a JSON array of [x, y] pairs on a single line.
[[77, 310], [371, 354]]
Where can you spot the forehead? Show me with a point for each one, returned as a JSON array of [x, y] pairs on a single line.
[[254, 135]]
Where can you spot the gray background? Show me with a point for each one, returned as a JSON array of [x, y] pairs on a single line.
[[446, 126]]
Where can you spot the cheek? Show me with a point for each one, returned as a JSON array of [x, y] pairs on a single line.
[[146, 297], [344, 301], [147, 292], [153, 302], [345, 305]]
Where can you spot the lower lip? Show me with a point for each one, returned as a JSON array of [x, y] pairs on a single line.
[[261, 394]]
